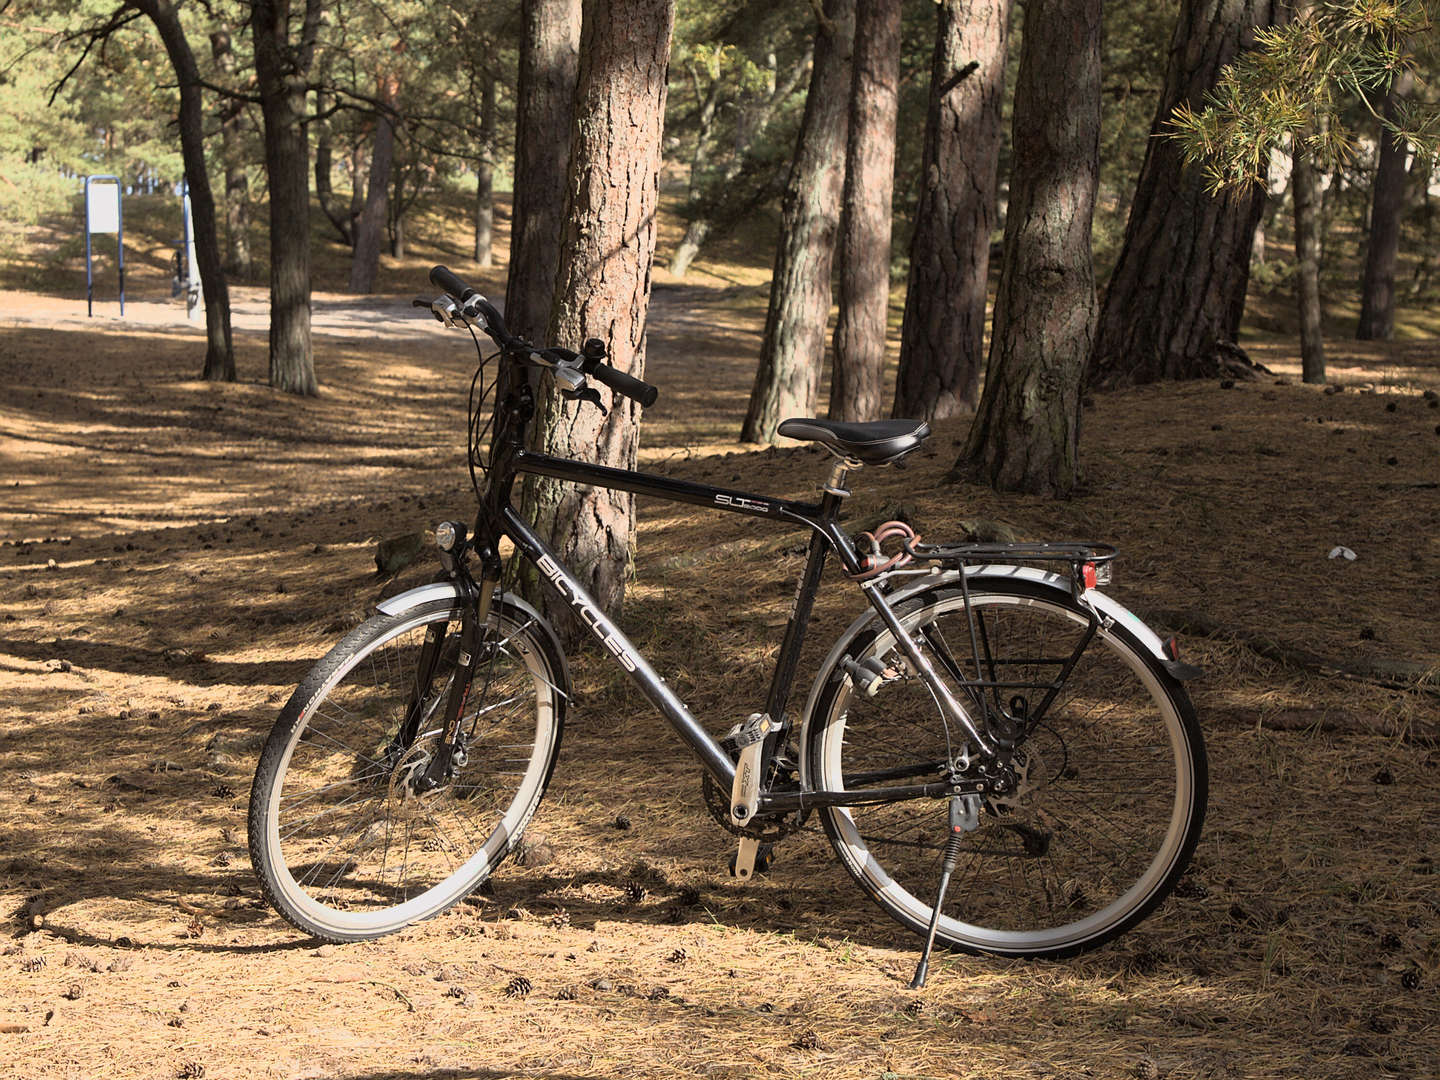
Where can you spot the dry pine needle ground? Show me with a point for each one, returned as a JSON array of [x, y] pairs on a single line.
[[176, 554]]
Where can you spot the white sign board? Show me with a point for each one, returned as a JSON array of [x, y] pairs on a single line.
[[102, 207]]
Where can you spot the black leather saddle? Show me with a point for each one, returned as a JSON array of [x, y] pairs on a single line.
[[877, 442]]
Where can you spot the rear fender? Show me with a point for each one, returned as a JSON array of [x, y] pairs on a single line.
[[978, 577]]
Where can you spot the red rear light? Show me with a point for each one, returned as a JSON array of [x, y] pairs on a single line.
[[1088, 575]]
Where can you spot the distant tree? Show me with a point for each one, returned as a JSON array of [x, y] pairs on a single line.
[[793, 352], [485, 175], [549, 55], [1305, 195], [603, 285], [1176, 296], [219, 348], [370, 225], [865, 220], [1301, 83], [1382, 247], [708, 192], [234, 126], [1026, 432], [942, 340], [284, 53]]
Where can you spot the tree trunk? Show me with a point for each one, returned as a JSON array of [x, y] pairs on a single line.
[[603, 286], [1304, 194], [344, 222], [485, 177], [365, 262], [793, 352], [282, 69], [233, 125], [866, 213], [549, 52], [1026, 431], [1377, 288], [1177, 293], [696, 229], [942, 340], [219, 346]]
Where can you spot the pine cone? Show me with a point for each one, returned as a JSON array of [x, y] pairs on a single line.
[[634, 891], [518, 987]]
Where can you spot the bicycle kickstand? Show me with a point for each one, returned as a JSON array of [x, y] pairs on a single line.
[[964, 817]]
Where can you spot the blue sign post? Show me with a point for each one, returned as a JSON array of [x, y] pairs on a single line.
[[102, 215]]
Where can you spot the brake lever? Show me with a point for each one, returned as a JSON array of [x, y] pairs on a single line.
[[443, 308], [589, 394]]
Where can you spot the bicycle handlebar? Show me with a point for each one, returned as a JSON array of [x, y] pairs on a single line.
[[472, 304]]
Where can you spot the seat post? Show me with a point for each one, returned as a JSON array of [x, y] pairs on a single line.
[[834, 491]]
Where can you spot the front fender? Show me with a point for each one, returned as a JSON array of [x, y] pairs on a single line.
[[519, 610]]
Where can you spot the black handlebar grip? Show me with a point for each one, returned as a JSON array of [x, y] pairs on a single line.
[[628, 385], [442, 278]]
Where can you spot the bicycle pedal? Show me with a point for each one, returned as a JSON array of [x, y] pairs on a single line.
[[752, 858]]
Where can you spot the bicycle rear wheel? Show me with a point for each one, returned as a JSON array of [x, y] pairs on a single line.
[[1112, 775], [344, 847]]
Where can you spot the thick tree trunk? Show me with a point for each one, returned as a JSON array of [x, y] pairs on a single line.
[[603, 286], [1177, 293], [549, 52], [485, 177], [1026, 431], [793, 353], [1304, 193], [282, 69], [1377, 288], [219, 347], [942, 340], [866, 213], [370, 226], [233, 125]]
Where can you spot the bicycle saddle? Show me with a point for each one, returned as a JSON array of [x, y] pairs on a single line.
[[877, 442]]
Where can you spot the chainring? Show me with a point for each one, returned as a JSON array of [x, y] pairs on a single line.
[[768, 828]]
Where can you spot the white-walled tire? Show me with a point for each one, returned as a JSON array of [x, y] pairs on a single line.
[[343, 848], [1110, 807]]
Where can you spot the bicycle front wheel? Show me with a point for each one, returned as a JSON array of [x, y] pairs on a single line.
[[344, 846], [1111, 774]]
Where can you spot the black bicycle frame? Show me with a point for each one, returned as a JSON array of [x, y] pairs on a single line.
[[509, 459], [826, 535]]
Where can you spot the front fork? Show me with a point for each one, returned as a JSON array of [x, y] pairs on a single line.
[[474, 614]]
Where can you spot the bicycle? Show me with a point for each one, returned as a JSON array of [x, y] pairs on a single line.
[[1003, 734]]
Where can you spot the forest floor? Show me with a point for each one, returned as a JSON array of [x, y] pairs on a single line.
[[174, 554]]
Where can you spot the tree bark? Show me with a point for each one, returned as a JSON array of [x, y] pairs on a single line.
[[370, 226], [1304, 193], [1177, 294], [788, 376], [1377, 287], [233, 125], [603, 286], [485, 176], [866, 213], [219, 345], [549, 52], [283, 69], [942, 340], [1026, 431]]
